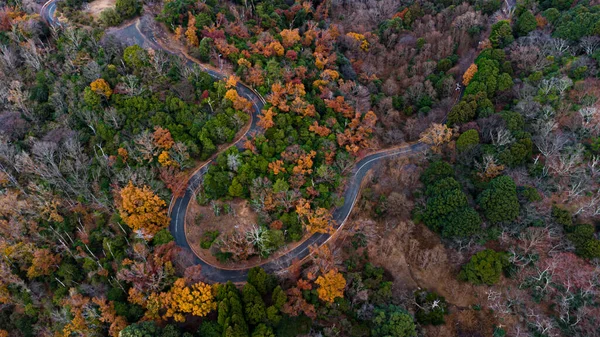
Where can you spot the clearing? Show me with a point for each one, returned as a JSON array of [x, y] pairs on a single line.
[[96, 7]]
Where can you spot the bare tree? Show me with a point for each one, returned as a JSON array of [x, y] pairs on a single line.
[[589, 44]]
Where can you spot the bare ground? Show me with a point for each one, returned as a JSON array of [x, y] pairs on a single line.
[[96, 7]]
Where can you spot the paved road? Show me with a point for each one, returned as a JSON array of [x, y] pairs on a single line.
[[137, 33]]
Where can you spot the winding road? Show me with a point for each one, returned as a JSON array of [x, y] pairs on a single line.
[[138, 33]]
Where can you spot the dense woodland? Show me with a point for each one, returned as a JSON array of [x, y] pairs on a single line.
[[98, 136]]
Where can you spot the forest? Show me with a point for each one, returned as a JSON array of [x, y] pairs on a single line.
[[468, 130]]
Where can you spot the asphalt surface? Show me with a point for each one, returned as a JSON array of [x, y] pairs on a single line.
[[138, 33]]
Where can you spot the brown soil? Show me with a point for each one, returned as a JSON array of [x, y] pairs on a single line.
[[202, 219], [97, 6]]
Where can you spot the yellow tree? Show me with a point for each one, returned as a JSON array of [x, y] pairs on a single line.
[[239, 102], [331, 285], [142, 210], [319, 221], [190, 33], [277, 167], [101, 87], [43, 263], [289, 37], [178, 33], [265, 120], [197, 300], [231, 81], [436, 136], [468, 75]]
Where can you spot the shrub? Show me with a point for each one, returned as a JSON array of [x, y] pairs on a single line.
[[162, 237], [484, 267], [208, 238], [530, 194], [562, 217], [110, 17], [128, 8]]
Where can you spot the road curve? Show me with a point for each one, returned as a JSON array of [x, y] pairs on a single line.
[[135, 33]]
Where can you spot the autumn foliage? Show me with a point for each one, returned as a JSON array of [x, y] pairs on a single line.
[[142, 210], [190, 33], [331, 285], [197, 300], [436, 136], [468, 75], [162, 138], [101, 87]]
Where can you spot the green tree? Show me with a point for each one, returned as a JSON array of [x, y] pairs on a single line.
[[586, 245], [143, 329], [128, 8], [263, 282], [467, 140], [110, 17], [484, 267], [135, 57], [392, 321], [204, 49], [436, 171], [499, 201], [263, 330], [463, 112], [526, 23], [447, 210], [501, 35], [254, 305]]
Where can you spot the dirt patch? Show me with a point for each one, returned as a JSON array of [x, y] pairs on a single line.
[[96, 7], [220, 218]]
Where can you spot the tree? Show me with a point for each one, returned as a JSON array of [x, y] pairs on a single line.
[[447, 210], [484, 267], [263, 330], [586, 245], [142, 210], [331, 285], [263, 282], [128, 8], [162, 138], [463, 112], [468, 75], [101, 87], [467, 140], [499, 201], [431, 307], [526, 23], [180, 300], [501, 35], [43, 263], [436, 136], [392, 321], [254, 306], [142, 329], [289, 37], [190, 32]]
